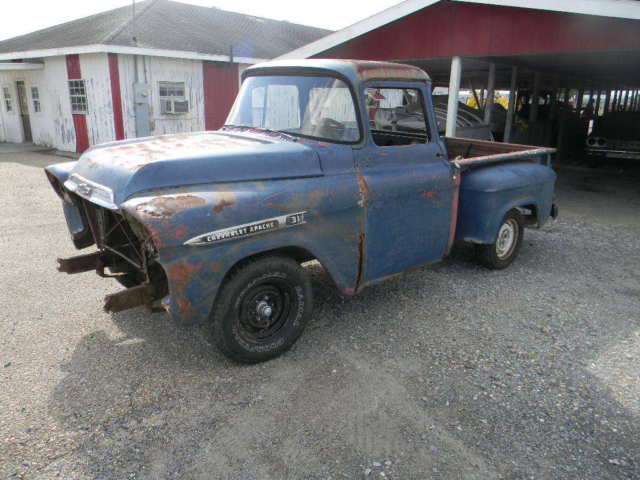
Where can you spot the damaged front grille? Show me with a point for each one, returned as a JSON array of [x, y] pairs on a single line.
[[112, 233], [125, 252]]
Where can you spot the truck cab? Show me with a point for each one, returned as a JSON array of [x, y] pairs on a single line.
[[334, 160]]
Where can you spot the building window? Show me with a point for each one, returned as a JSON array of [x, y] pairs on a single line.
[[172, 98], [35, 99], [78, 95], [8, 103]]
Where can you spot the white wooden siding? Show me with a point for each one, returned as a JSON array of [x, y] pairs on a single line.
[[56, 108], [53, 125], [94, 69], [154, 70]]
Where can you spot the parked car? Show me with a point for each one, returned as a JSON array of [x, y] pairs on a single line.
[[616, 135], [213, 226]]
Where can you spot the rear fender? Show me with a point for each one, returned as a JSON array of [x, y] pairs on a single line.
[[486, 195]]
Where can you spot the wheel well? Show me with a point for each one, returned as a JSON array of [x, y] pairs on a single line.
[[529, 213], [298, 254]]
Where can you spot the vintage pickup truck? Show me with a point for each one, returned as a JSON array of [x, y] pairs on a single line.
[[333, 160]]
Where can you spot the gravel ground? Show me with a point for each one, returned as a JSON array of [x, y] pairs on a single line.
[[450, 372]]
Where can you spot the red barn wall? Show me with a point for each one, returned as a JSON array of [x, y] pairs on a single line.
[[447, 28]]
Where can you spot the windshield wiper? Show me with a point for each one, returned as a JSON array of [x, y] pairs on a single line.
[[267, 130]]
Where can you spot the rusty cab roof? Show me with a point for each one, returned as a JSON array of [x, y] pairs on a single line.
[[356, 71]]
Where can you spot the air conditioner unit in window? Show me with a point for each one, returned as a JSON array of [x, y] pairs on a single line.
[[180, 106], [174, 107]]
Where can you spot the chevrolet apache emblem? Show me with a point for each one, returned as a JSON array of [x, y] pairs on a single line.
[[248, 229]]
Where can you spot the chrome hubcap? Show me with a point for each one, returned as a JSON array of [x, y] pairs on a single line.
[[506, 238]]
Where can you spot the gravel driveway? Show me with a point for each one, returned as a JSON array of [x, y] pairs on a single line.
[[450, 372]]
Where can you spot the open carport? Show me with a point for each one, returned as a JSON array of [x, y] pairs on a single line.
[[567, 64]]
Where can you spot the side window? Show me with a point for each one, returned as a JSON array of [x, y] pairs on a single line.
[[396, 116], [35, 99], [6, 95], [78, 96], [172, 98]]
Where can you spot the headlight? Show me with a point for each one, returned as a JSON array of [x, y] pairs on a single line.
[[601, 142], [90, 190], [591, 141]]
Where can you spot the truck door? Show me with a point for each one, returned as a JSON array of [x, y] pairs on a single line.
[[405, 181]]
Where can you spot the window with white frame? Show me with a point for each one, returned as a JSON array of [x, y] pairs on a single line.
[[172, 98], [78, 96], [8, 102], [35, 99]]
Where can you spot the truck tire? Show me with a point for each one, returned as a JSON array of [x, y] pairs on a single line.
[[504, 250], [262, 309]]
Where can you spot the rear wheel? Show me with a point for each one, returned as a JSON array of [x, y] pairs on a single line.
[[262, 309], [503, 251]]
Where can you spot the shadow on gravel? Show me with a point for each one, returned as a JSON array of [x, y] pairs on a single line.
[[442, 393]]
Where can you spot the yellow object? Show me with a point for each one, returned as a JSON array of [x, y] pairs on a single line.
[[501, 99]]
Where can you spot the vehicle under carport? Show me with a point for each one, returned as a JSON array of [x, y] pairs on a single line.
[[571, 65]]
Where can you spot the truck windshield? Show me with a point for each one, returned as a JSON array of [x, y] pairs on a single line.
[[317, 107]]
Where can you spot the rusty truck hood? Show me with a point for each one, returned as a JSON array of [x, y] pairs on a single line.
[[133, 166]]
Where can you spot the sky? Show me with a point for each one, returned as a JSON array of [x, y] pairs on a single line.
[[24, 16]]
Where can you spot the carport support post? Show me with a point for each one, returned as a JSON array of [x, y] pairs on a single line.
[[535, 99], [454, 90], [491, 86], [597, 107], [579, 99], [512, 105], [626, 100], [607, 101]]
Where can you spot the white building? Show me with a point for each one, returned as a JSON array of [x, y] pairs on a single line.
[[171, 67]]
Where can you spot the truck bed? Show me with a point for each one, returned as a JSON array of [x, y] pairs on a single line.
[[469, 153]]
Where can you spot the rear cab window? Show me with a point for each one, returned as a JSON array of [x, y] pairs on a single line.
[[396, 116]]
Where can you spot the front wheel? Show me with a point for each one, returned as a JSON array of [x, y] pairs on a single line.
[[262, 309], [503, 251]]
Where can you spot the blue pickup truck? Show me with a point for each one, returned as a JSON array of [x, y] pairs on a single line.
[[333, 160]]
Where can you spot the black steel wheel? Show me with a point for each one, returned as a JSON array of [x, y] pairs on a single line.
[[262, 309], [505, 248]]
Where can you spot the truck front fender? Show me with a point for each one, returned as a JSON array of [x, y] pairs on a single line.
[[200, 233]]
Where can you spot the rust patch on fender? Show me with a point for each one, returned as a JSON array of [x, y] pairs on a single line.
[[223, 203], [277, 206], [216, 267], [429, 194], [183, 305], [166, 207], [363, 186], [182, 272]]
